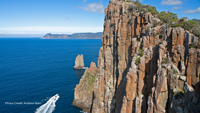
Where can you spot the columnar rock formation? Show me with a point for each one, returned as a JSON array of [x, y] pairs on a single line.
[[143, 68], [83, 95], [79, 63]]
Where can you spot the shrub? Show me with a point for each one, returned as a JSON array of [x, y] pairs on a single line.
[[137, 61], [189, 25], [193, 45], [141, 54], [137, 3], [196, 31], [140, 50], [152, 9], [102, 55], [175, 72], [165, 61], [168, 17], [181, 91], [130, 22]]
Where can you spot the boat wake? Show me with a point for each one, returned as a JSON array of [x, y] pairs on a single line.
[[49, 106]]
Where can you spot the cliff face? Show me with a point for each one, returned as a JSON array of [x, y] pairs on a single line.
[[79, 63], [143, 68]]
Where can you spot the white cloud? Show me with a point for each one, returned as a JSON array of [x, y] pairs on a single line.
[[97, 8], [174, 8], [171, 2], [193, 11], [44, 30], [67, 17], [84, 0]]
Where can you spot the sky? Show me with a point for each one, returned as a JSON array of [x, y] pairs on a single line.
[[73, 16]]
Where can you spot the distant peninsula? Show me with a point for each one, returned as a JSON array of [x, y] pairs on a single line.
[[74, 36]]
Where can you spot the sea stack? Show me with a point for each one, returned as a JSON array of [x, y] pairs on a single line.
[[79, 63]]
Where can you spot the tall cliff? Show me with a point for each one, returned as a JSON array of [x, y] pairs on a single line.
[[142, 68]]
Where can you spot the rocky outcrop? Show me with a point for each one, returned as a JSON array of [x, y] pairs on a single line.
[[83, 92], [143, 68], [79, 63]]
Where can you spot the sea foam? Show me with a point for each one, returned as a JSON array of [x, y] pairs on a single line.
[[49, 106]]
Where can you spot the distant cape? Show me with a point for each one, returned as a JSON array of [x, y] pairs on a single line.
[[74, 36]]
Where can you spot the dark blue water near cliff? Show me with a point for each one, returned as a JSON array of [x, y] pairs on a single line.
[[33, 70]]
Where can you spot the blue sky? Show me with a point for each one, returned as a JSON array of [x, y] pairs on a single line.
[[73, 16]]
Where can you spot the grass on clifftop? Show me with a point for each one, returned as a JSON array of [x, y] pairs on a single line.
[[193, 26]]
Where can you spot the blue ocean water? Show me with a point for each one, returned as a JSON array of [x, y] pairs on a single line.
[[33, 70]]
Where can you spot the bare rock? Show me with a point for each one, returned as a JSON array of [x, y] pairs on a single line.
[[79, 63]]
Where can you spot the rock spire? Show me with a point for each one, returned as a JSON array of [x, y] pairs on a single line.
[[79, 63]]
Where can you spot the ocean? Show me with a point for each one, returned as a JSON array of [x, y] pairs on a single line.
[[33, 70]]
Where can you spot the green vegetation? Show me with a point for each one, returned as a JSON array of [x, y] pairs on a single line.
[[198, 21], [181, 91], [140, 50], [165, 61], [168, 17], [166, 75], [173, 20], [102, 55], [111, 84], [152, 9], [89, 81], [130, 22], [194, 45], [188, 25], [193, 26], [175, 72], [137, 61], [141, 54]]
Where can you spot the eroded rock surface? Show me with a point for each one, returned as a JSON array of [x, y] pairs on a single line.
[[79, 63], [144, 68], [83, 95]]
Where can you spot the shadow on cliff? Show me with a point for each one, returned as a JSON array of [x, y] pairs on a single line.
[[191, 98]]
